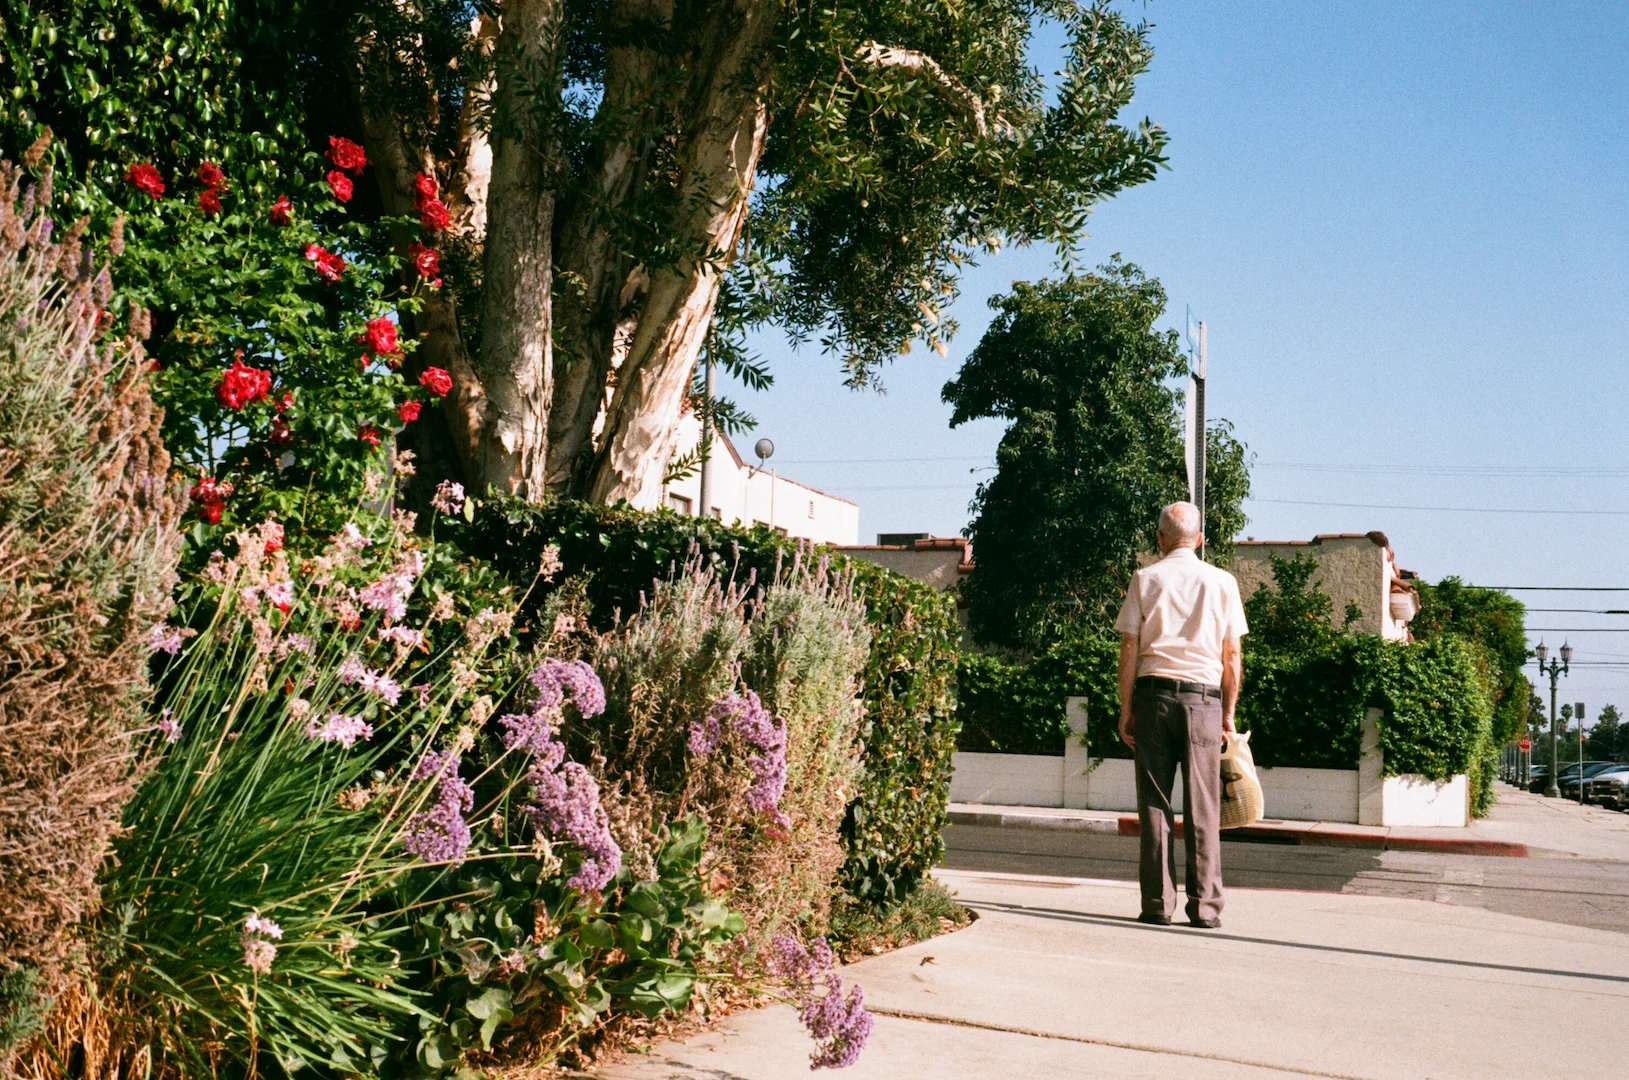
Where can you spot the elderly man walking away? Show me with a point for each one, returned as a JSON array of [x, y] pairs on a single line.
[[1179, 681]]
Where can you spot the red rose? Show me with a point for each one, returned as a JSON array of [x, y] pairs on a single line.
[[426, 263], [211, 175], [280, 433], [209, 498], [433, 215], [340, 185], [241, 385], [330, 267], [346, 154], [145, 178], [369, 434], [436, 380], [286, 402], [408, 411], [209, 201], [381, 336], [282, 211], [425, 188]]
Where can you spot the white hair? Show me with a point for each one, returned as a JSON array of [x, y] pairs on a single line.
[[1180, 524]]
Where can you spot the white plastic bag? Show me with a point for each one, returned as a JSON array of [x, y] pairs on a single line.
[[1242, 803]]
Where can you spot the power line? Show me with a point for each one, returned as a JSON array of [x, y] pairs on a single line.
[[1557, 588], [1583, 610], [1578, 629], [1447, 509]]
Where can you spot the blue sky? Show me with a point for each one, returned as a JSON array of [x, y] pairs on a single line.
[[1406, 226]]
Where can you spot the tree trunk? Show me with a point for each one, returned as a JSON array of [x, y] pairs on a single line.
[[514, 361], [654, 347]]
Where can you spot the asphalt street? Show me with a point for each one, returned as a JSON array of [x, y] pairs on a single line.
[[1576, 891]]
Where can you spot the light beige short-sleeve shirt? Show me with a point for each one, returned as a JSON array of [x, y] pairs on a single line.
[[1181, 610]]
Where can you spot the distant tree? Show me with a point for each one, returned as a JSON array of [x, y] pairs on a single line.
[[1494, 620], [1092, 452], [1608, 736]]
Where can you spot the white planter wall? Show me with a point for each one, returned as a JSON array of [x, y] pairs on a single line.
[[1347, 796]]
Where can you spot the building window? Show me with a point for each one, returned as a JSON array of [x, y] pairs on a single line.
[[780, 529], [811, 509], [718, 514], [679, 503]]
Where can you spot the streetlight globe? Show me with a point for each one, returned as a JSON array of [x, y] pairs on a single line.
[[1542, 651], [1566, 653]]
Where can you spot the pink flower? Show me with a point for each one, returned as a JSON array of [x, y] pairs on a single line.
[[272, 535], [449, 498], [169, 727], [164, 638], [282, 211], [259, 924], [340, 728], [258, 954], [408, 411], [280, 594]]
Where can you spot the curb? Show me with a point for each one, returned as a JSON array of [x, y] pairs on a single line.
[[1300, 834]]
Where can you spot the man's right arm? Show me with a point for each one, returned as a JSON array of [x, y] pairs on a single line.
[[1128, 682]]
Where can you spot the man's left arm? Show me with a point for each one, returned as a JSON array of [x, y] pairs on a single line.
[[1232, 677]]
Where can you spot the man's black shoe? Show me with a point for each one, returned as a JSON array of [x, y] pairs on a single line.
[[1206, 924], [1154, 920]]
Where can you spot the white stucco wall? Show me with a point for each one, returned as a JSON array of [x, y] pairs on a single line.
[[740, 493]]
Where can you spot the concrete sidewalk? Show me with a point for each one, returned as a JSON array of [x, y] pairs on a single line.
[[1520, 825], [1056, 979]]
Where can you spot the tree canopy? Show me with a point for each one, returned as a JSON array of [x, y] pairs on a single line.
[[615, 176], [1091, 454], [1495, 621]]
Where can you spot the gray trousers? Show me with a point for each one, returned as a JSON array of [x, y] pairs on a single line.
[[1174, 729]]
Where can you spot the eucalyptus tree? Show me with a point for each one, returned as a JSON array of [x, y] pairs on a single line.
[[623, 174]]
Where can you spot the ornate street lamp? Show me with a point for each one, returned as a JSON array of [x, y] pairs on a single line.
[[1555, 669]]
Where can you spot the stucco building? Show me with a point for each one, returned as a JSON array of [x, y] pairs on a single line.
[[1353, 568], [739, 493], [939, 561]]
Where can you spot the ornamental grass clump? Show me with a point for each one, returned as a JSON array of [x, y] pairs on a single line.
[[88, 546]]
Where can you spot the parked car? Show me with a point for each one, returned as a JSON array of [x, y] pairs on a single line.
[[1607, 787], [1592, 769]]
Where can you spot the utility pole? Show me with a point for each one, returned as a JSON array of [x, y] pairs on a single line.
[[1199, 438], [706, 445]]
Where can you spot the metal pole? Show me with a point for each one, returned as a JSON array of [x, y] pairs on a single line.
[[1580, 761], [1552, 789], [1199, 435], [706, 445]]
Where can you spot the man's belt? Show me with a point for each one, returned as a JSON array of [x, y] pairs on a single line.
[[1154, 682]]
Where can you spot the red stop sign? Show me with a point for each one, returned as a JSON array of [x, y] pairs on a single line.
[[1526, 744]]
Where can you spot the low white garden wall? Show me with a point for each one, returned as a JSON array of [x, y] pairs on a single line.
[[1361, 796]]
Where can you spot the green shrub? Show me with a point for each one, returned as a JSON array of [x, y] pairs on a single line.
[[1021, 708], [893, 823]]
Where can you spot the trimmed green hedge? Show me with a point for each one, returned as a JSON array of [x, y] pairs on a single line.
[[1306, 708], [894, 824]]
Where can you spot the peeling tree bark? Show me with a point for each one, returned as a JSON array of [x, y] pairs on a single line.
[[514, 363]]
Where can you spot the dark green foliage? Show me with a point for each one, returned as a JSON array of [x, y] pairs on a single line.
[[892, 831], [174, 83], [639, 953], [23, 1005], [1091, 454], [1008, 708], [1495, 621], [1608, 737]]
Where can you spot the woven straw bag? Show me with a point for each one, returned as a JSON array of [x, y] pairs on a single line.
[[1242, 803]]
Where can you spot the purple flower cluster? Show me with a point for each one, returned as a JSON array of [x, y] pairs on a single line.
[[164, 638], [763, 732], [838, 1024], [563, 798], [440, 834], [556, 680], [449, 498]]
